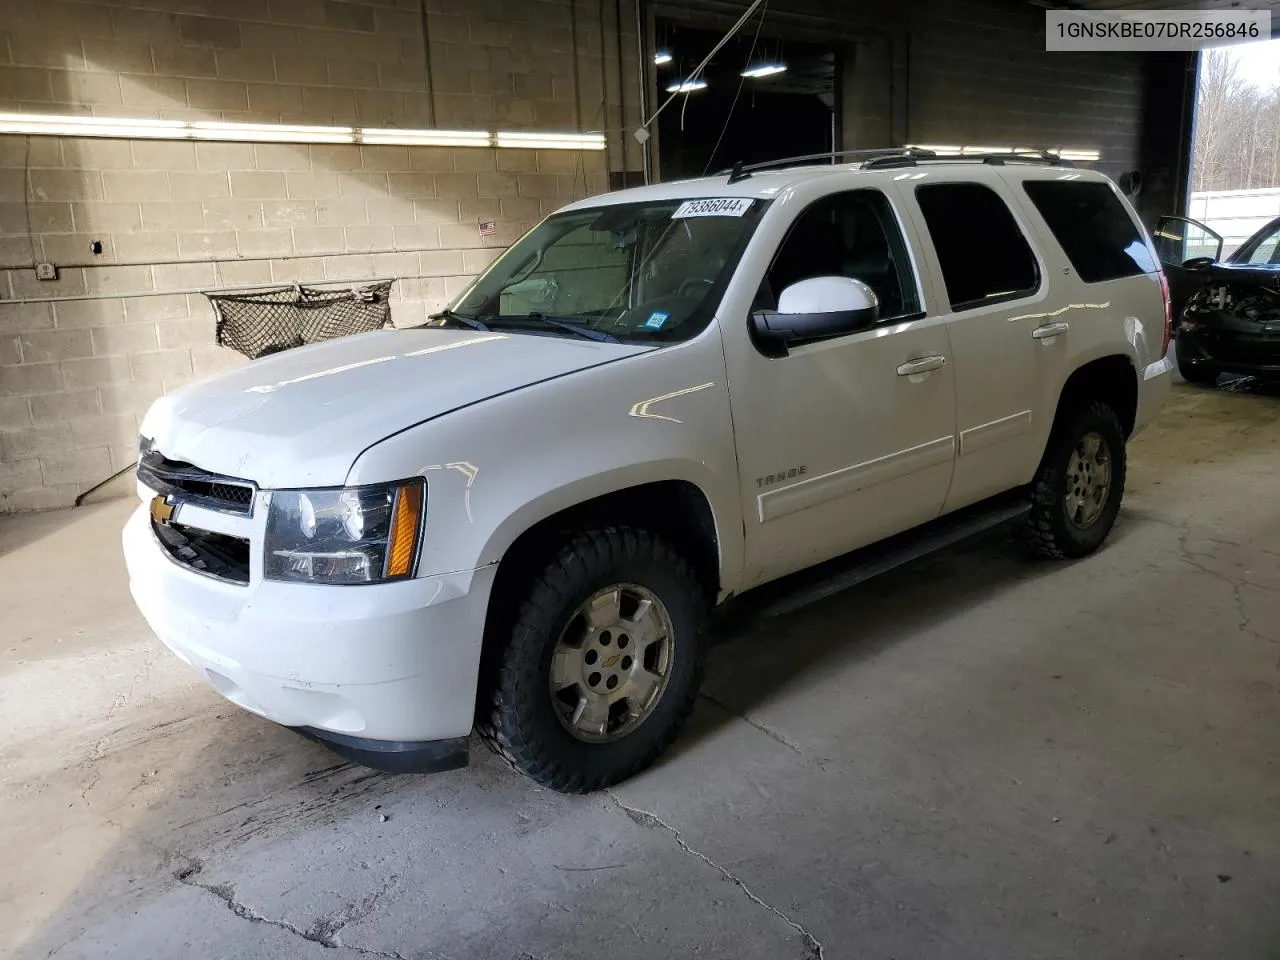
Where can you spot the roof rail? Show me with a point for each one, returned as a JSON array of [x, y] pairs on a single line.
[[740, 171], [881, 157], [993, 159]]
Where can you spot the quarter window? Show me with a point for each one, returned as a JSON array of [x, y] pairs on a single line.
[[1095, 230], [850, 234], [984, 256]]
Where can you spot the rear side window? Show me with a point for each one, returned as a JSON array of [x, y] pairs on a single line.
[[984, 257], [1095, 230]]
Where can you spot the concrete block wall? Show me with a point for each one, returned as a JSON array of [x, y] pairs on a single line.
[[81, 358]]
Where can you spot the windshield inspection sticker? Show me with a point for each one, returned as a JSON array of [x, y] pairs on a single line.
[[656, 320], [711, 207]]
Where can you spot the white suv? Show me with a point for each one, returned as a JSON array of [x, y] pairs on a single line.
[[518, 517]]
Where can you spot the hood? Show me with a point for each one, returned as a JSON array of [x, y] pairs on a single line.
[[1263, 275], [300, 418]]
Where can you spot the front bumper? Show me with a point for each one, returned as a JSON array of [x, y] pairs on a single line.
[[358, 666], [1256, 355]]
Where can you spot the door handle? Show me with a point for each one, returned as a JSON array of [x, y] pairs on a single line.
[[1050, 330], [914, 368]]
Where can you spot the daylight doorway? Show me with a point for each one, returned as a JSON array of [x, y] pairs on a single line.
[[1235, 157]]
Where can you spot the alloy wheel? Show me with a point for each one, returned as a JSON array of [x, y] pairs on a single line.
[[1088, 481], [611, 663]]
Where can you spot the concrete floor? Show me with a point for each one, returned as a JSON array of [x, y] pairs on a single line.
[[973, 757]]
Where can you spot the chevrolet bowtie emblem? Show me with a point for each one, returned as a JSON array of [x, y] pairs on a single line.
[[161, 510]]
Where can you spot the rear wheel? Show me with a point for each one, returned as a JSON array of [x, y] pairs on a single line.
[[603, 662], [1197, 372], [1076, 493]]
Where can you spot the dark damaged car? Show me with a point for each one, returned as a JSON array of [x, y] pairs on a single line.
[[1229, 310]]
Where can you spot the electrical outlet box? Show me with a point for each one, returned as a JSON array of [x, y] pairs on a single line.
[[46, 271]]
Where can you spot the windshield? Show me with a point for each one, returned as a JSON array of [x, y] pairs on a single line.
[[635, 272]]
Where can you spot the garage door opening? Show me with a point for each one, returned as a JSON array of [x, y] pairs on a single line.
[[759, 99], [1235, 159]]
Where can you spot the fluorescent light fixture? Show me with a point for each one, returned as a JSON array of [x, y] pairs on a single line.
[[550, 141], [425, 138], [43, 124], [662, 58], [764, 70], [687, 86], [1066, 153], [1072, 153], [267, 132], [125, 128]]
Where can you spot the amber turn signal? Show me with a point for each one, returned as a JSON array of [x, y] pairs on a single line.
[[404, 531]]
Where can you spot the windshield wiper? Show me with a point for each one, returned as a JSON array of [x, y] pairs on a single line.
[[459, 318], [570, 326]]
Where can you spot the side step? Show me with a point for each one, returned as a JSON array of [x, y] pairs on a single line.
[[817, 583]]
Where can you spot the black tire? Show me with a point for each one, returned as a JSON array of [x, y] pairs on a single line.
[[1198, 373], [1048, 530], [522, 725]]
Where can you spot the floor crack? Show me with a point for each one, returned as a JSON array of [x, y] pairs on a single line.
[[323, 930], [767, 730], [1244, 622], [651, 820]]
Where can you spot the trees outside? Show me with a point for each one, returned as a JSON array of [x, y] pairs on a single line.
[[1237, 145]]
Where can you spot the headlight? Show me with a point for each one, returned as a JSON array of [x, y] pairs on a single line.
[[349, 535]]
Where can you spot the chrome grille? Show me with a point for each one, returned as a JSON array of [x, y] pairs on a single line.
[[191, 484]]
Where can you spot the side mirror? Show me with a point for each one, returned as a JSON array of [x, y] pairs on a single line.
[[1199, 263], [818, 308]]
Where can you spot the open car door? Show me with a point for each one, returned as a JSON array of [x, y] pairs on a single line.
[[1186, 249]]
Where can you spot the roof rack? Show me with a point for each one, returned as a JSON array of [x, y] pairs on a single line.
[[741, 172], [873, 158], [911, 158]]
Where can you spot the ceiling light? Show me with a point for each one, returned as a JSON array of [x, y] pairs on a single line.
[[764, 70], [662, 58], [687, 86]]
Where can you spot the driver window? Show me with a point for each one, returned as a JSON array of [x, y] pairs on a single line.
[[850, 234], [1179, 240], [1267, 252]]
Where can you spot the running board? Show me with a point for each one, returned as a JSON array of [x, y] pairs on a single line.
[[817, 583]]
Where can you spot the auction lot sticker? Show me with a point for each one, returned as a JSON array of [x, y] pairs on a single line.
[[712, 207]]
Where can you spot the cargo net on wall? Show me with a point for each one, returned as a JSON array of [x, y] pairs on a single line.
[[262, 322]]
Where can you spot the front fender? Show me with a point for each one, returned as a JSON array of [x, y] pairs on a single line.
[[496, 468]]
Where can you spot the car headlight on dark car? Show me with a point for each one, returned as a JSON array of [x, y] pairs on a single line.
[[345, 535]]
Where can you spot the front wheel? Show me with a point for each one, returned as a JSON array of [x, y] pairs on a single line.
[[1075, 496], [603, 662]]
